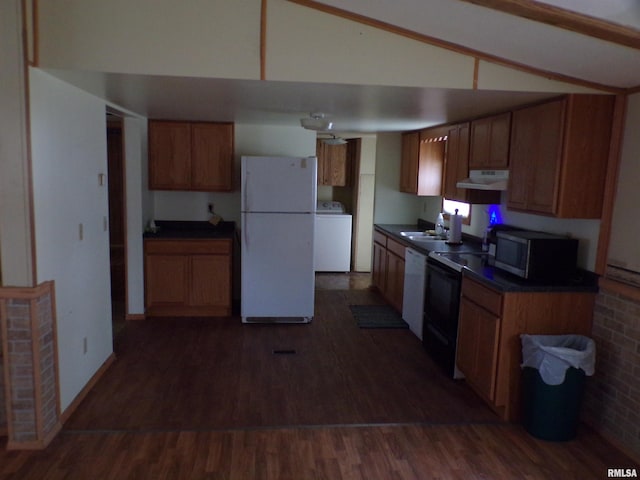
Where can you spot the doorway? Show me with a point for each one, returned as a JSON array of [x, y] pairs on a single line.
[[117, 251]]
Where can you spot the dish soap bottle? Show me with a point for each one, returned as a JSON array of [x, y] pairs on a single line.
[[440, 225]]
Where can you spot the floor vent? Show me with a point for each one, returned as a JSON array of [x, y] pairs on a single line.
[[285, 351]]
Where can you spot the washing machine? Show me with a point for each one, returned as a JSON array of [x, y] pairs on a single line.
[[332, 247]]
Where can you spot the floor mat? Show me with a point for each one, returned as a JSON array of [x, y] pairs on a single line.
[[377, 316]]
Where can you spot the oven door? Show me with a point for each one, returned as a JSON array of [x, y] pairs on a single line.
[[441, 308]]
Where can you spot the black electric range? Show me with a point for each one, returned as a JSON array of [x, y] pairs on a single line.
[[442, 303]]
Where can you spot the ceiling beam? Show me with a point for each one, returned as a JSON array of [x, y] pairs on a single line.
[[566, 19], [476, 54]]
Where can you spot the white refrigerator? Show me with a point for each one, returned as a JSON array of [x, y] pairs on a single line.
[[277, 236]]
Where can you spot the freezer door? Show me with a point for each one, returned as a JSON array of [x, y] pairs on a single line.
[[279, 184], [277, 265]]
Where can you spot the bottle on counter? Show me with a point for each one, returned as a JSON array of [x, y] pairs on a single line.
[[440, 224]]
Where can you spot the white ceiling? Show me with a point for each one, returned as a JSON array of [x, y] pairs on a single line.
[[370, 109]]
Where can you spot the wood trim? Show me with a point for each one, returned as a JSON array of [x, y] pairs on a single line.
[[27, 133], [263, 40], [73, 406], [36, 32], [37, 378], [27, 293], [632, 90], [620, 288], [566, 19], [453, 47], [611, 182], [476, 72]]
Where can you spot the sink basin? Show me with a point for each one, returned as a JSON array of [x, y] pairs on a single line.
[[421, 236]]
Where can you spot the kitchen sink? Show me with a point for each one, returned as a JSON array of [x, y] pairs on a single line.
[[421, 236]]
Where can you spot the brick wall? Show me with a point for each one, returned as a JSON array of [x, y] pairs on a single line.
[[28, 329], [612, 397]]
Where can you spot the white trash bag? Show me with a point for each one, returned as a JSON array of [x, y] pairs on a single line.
[[552, 355]]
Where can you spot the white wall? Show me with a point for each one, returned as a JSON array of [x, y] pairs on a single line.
[[198, 38], [624, 250], [68, 132], [391, 205], [15, 228], [139, 208]]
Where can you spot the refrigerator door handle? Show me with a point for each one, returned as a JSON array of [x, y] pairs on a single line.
[[245, 237], [245, 193]]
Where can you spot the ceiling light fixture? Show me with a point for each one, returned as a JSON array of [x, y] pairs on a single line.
[[316, 121], [334, 140]]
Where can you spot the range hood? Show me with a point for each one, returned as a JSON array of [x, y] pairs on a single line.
[[485, 180]]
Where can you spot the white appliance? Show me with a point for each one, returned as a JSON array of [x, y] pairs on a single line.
[[415, 270], [277, 236], [332, 250]]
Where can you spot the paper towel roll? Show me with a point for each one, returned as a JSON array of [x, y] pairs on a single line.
[[455, 228]]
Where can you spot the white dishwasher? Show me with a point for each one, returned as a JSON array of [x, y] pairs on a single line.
[[415, 271]]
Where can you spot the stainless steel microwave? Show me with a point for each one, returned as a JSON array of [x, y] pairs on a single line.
[[536, 255]]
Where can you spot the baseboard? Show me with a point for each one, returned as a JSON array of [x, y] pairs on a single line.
[[64, 416], [135, 316]]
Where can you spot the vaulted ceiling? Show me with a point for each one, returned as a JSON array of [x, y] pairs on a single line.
[[591, 42]]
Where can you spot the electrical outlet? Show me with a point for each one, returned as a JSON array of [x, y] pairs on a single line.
[[84, 345], [81, 231]]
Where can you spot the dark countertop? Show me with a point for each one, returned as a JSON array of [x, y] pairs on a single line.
[[182, 229], [484, 271], [468, 244]]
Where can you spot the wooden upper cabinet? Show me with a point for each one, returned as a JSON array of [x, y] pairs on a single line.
[[431, 161], [190, 156], [211, 156], [457, 168], [490, 142], [334, 165], [559, 156], [169, 155], [409, 162]]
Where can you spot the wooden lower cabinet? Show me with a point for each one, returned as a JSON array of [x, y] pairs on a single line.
[[188, 277], [489, 350], [388, 268]]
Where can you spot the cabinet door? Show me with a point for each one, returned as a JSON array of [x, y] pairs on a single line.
[[490, 142], [211, 156], [477, 352], [338, 165], [333, 164], [431, 165], [536, 149], [167, 280], [379, 267], [395, 280], [409, 162], [210, 280], [169, 155], [457, 162]]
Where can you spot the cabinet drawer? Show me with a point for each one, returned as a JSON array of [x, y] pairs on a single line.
[[483, 296], [380, 238], [395, 247], [205, 246]]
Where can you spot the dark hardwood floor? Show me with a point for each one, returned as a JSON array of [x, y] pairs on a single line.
[[215, 399]]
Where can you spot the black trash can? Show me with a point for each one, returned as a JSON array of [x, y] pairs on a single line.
[[553, 378]]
